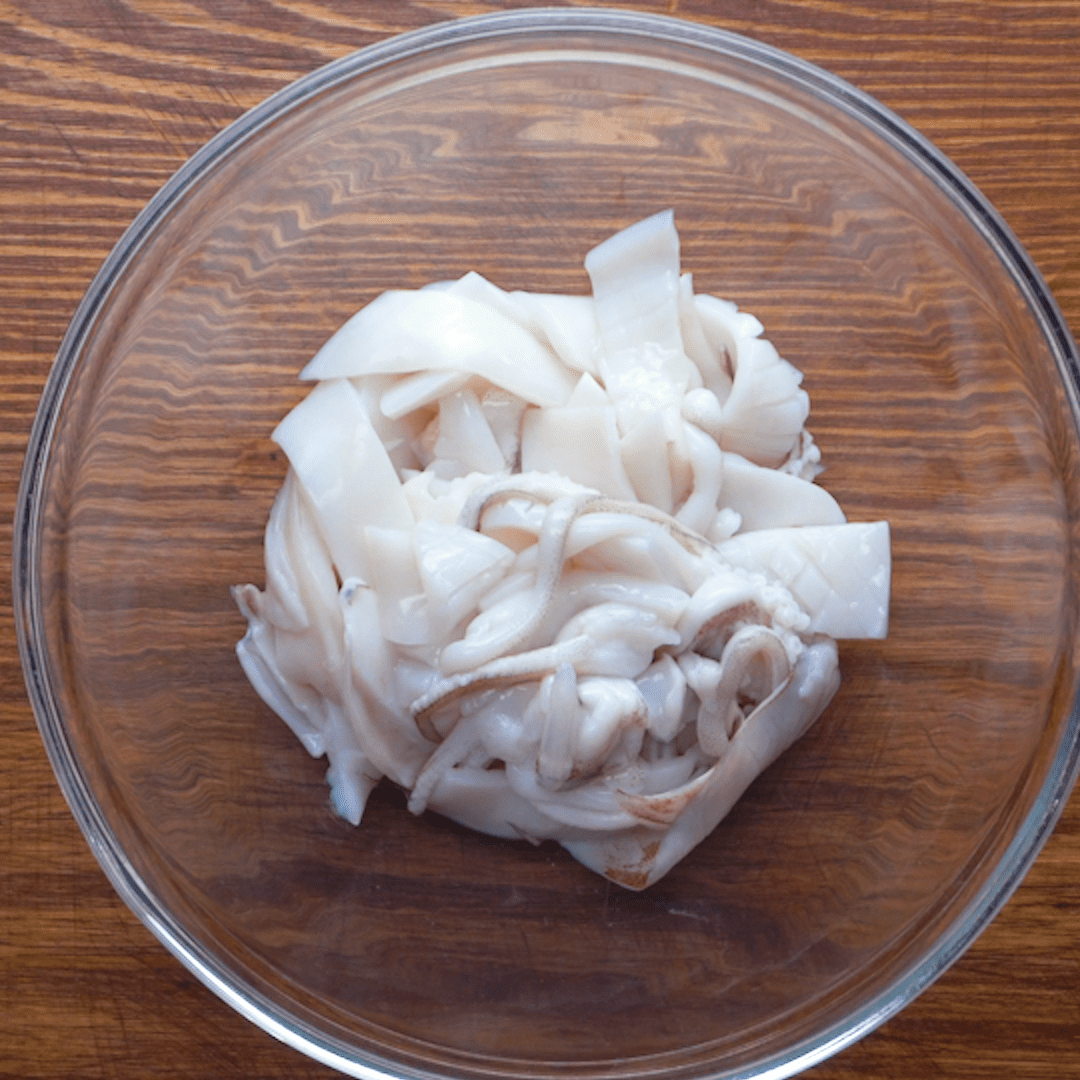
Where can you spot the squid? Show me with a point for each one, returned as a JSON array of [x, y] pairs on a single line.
[[558, 566]]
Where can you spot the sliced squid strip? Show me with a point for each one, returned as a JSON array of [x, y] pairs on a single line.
[[451, 751], [709, 352], [562, 709], [497, 675], [401, 332], [425, 388], [479, 647], [707, 464], [718, 684]]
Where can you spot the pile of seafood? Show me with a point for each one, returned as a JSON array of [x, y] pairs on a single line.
[[558, 566]]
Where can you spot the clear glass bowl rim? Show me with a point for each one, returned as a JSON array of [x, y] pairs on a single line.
[[511, 26]]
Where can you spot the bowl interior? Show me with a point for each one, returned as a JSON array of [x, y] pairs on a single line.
[[937, 403]]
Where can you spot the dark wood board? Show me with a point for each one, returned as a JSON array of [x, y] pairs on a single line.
[[100, 102]]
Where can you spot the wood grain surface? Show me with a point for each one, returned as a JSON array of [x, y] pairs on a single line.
[[100, 102]]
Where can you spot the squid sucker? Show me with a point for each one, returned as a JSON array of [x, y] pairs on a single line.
[[558, 566]]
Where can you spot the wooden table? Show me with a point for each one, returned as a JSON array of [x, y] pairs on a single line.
[[99, 103]]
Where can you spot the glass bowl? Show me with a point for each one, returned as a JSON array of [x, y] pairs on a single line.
[[943, 383]]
